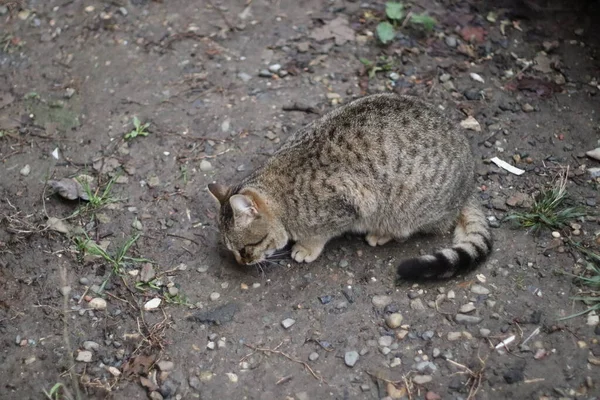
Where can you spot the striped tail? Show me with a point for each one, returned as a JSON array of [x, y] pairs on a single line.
[[472, 245]]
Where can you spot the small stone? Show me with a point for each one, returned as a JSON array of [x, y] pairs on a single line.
[[211, 345], [350, 358], [449, 86], [205, 166], [381, 301], [202, 269], [422, 379], [467, 308], [595, 154], [445, 77], [426, 366], [147, 273], [303, 47], [451, 41], [165, 365], [471, 124], [467, 319], [450, 295], [274, 67], [25, 170], [593, 320], [214, 296], [394, 76], [314, 356], [226, 125], [154, 395], [472, 94], [385, 341], [594, 173], [395, 362], [84, 281], [98, 303], [476, 77], [385, 350], [287, 323], [265, 73], [417, 304], [454, 336], [65, 290], [401, 334], [432, 396], [222, 343], [114, 371], [527, 107], [478, 289], [89, 345], [325, 299], [436, 353], [244, 77], [84, 356], [428, 335], [484, 332], [233, 378], [152, 304], [555, 234], [393, 320]]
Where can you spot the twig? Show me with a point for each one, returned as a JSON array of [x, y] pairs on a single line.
[[222, 14], [184, 238], [534, 380], [66, 337], [281, 353], [300, 107], [408, 16]]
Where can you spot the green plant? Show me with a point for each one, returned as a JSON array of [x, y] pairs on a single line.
[[100, 197], [381, 64], [178, 299], [57, 392], [590, 278], [549, 209], [139, 129], [394, 11]]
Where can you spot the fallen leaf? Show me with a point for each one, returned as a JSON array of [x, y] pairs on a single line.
[[338, 29], [57, 225], [540, 87], [139, 365], [69, 189], [106, 165], [475, 34], [6, 99]]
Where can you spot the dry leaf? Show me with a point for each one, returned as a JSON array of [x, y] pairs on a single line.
[[69, 188], [338, 29], [139, 365]]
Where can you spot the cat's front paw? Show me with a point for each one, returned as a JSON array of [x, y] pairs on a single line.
[[305, 253], [376, 240]]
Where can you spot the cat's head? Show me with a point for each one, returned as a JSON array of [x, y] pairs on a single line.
[[247, 226]]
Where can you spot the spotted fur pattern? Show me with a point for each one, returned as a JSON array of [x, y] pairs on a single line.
[[384, 165]]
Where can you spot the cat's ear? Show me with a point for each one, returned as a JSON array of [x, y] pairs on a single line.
[[219, 192], [244, 210]]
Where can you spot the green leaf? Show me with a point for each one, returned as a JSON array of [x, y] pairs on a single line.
[[423, 19], [136, 122], [365, 61], [394, 11], [385, 32]]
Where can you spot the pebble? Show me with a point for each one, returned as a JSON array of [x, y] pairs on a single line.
[[527, 107], [395, 362], [595, 154], [152, 304], [210, 345], [454, 336], [467, 319], [205, 166], [385, 341], [484, 332], [84, 281], [214, 296], [325, 299], [422, 379], [394, 76], [476, 77], [451, 41], [471, 124], [385, 350], [393, 320], [478, 289], [147, 273], [265, 73], [445, 77], [381, 301], [417, 304], [98, 303], [467, 308], [426, 366], [314, 356], [114, 371], [274, 67], [25, 170], [287, 323], [202, 269], [350, 358], [555, 234], [436, 352], [450, 295], [165, 365], [472, 94], [432, 396], [244, 77], [593, 320], [233, 378], [428, 335], [84, 356], [89, 345]]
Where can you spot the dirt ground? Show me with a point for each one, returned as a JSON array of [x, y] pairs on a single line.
[[221, 84]]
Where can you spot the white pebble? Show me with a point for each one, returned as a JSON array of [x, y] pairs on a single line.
[[556, 234], [25, 170], [287, 323], [152, 304], [98, 303], [214, 296]]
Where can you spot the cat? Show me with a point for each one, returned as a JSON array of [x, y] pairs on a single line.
[[383, 165]]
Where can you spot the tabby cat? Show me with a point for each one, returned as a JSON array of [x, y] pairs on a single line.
[[384, 165]]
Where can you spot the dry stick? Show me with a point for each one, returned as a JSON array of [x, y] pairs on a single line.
[[74, 382], [275, 351], [222, 14]]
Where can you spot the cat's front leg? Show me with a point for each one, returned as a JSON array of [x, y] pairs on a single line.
[[307, 250]]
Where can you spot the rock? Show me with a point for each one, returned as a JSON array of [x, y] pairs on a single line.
[[449, 86], [27, 169], [451, 41], [454, 336], [350, 358], [393, 320], [385, 351], [436, 352], [205, 166], [478, 289], [417, 304], [287, 323], [301, 396], [476, 77], [555, 234], [166, 366], [147, 273], [422, 379], [594, 172], [59, 225], [467, 308], [303, 47], [396, 362], [211, 345], [432, 396], [152, 304], [472, 94], [89, 345], [593, 320], [314, 356], [471, 124], [385, 341], [428, 335], [84, 356], [325, 299], [550, 45], [394, 76], [527, 107], [274, 68], [155, 396], [265, 73], [214, 296], [467, 319], [98, 303], [595, 154], [450, 295], [426, 366], [381, 301], [484, 332], [217, 316], [445, 77], [233, 378]]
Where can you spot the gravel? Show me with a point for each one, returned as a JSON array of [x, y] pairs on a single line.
[[467, 308], [287, 323], [478, 289], [385, 341], [381, 301], [453, 336], [422, 379], [314, 356], [351, 358], [393, 320], [467, 319]]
